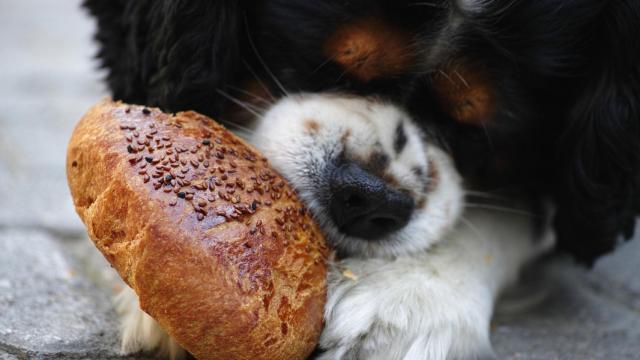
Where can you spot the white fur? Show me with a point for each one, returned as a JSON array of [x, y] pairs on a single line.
[[140, 332], [432, 305], [303, 157], [426, 291]]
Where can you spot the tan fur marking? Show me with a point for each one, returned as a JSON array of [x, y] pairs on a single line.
[[370, 48], [345, 137], [253, 93], [422, 202], [465, 93], [433, 177], [312, 126]]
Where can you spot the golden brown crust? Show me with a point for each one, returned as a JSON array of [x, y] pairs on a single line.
[[214, 242]]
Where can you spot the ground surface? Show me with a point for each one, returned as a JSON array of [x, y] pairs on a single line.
[[55, 290]]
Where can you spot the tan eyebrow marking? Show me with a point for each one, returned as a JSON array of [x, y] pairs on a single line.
[[312, 126], [370, 48], [466, 93]]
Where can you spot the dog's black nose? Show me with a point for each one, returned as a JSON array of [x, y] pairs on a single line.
[[364, 206]]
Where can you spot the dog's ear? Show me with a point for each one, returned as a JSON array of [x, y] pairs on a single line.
[[170, 53], [117, 48], [196, 46], [598, 153]]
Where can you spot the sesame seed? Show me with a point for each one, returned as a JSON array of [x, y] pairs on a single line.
[[182, 195], [148, 159], [146, 111], [206, 142]]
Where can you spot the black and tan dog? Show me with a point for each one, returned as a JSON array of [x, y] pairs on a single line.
[[363, 104]]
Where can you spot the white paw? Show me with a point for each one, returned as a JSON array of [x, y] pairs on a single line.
[[140, 332], [404, 310]]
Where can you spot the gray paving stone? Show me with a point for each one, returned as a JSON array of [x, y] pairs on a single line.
[[575, 321], [33, 185], [7, 356], [618, 274], [49, 308], [48, 81]]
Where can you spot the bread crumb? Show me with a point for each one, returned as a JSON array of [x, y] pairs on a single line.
[[349, 274]]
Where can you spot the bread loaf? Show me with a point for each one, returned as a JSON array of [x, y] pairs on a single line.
[[214, 242]]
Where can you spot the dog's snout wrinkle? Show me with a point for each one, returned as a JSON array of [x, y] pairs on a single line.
[[364, 206]]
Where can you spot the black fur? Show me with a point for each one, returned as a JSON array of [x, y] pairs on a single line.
[[566, 75]]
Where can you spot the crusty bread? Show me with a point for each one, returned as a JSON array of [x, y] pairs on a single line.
[[213, 241]]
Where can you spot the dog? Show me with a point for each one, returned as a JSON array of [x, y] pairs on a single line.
[[386, 116]]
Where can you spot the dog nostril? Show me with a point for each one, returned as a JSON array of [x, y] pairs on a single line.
[[354, 201], [364, 206], [384, 222]]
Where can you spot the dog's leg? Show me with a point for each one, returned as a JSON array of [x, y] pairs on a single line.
[[140, 332], [433, 306]]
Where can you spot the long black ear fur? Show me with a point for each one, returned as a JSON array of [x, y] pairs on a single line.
[[599, 151], [169, 53]]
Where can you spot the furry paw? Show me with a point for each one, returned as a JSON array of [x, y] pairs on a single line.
[[404, 310], [141, 333]]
